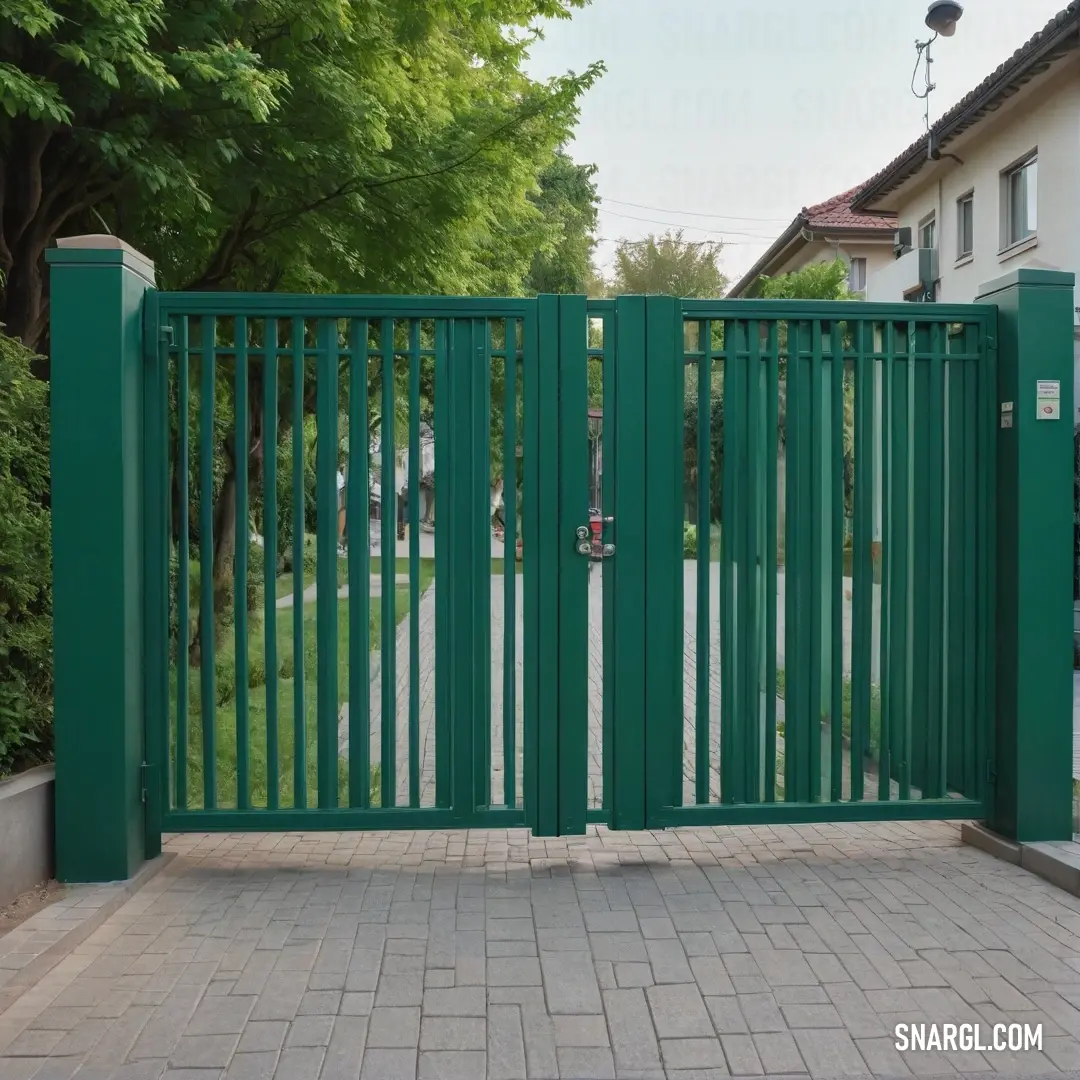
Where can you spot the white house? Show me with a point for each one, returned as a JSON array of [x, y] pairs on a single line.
[[822, 233], [996, 183]]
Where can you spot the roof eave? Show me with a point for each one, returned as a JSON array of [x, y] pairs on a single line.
[[848, 232], [781, 248], [910, 165], [778, 247]]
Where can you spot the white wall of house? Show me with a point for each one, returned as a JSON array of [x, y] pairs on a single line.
[[877, 254], [1047, 123], [1044, 119]]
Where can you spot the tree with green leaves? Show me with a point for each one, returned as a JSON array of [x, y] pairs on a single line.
[[25, 558], [669, 266], [818, 281], [568, 199], [354, 145], [373, 146]]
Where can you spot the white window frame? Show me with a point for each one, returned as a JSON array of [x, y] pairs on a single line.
[[928, 222], [861, 260], [1009, 239], [962, 252]]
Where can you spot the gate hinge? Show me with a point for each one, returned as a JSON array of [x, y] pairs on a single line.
[[991, 775], [165, 333], [143, 770]]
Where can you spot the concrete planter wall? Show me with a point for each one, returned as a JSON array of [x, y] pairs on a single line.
[[26, 831]]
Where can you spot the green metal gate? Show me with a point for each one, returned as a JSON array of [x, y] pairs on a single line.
[[308, 718], [756, 668], [726, 657]]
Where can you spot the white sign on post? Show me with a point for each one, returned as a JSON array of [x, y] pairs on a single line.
[[1048, 399]]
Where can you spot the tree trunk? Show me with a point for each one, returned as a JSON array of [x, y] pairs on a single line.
[[25, 310], [228, 530], [225, 524]]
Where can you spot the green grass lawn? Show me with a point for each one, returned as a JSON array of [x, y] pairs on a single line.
[[259, 688], [427, 566]]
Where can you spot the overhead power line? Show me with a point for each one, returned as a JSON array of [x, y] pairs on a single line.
[[761, 242], [694, 213], [684, 225]]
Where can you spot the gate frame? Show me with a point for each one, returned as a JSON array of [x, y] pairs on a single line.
[[107, 822]]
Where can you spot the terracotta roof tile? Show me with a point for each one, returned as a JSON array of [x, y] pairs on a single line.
[[836, 213]]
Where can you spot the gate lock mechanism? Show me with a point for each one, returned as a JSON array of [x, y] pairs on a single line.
[[591, 550]]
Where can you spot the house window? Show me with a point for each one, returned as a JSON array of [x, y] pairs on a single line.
[[926, 232], [965, 225], [857, 275], [1020, 201]]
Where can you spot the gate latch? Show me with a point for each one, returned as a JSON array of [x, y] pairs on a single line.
[[590, 550]]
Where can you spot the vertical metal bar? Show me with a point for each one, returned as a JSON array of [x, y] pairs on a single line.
[[986, 540], [664, 562], [326, 597], [414, 562], [388, 509], [482, 515], [772, 453], [270, 557], [888, 488], [836, 532], [240, 569], [932, 631], [183, 558], [442, 423], [539, 552], [462, 515], [862, 563], [358, 530], [969, 608], [157, 524], [510, 468], [207, 642], [898, 640], [298, 499], [609, 426], [920, 602], [704, 461], [574, 626], [794, 566], [953, 676], [816, 521], [731, 755], [750, 584], [629, 749]]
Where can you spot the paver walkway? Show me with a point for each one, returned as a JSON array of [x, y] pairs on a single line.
[[675, 956]]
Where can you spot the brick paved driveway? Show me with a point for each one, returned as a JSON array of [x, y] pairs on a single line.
[[704, 953]]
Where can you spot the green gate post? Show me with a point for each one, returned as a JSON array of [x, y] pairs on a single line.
[[98, 286], [1031, 796]]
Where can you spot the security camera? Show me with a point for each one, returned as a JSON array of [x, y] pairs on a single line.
[[943, 17]]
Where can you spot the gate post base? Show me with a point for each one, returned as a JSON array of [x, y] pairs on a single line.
[[981, 836], [98, 289], [1030, 789]]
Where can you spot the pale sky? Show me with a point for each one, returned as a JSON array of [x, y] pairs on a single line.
[[728, 116]]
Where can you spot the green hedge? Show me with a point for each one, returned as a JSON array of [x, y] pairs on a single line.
[[25, 564]]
